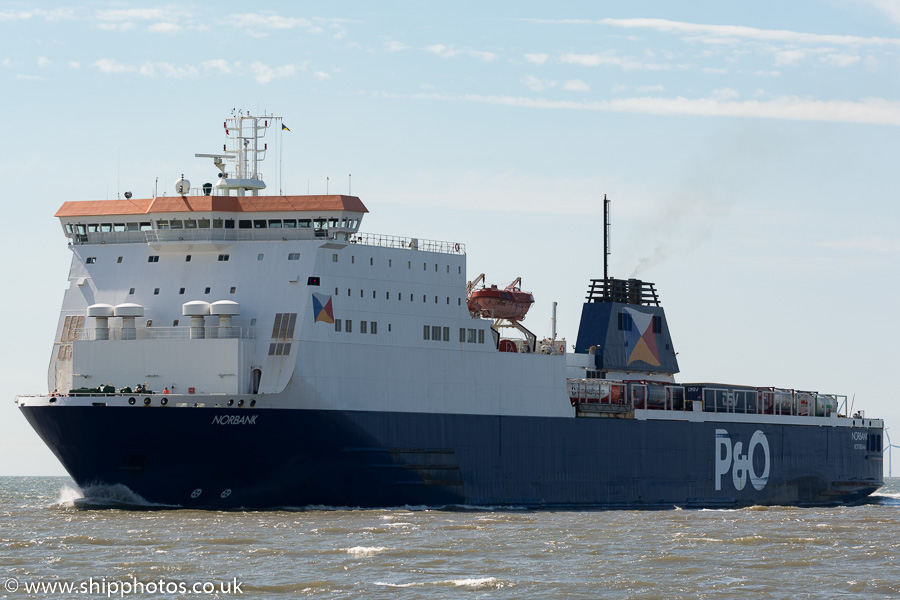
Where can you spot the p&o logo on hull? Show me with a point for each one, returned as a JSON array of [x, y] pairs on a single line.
[[732, 458]]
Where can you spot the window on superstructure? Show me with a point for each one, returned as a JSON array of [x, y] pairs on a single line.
[[334, 258], [363, 326], [481, 336], [203, 223], [374, 329], [389, 327], [435, 299], [90, 260], [223, 257], [245, 224], [409, 264], [283, 327], [149, 322], [187, 258], [156, 291], [162, 224], [229, 223], [118, 260], [459, 301], [387, 295], [426, 332], [274, 223], [332, 223], [436, 333], [181, 291], [93, 228], [470, 336], [206, 290], [657, 324], [131, 291], [69, 228], [459, 269], [154, 258], [261, 256], [337, 325], [105, 227], [424, 266], [390, 263], [118, 226], [217, 223], [349, 325], [232, 290], [175, 323], [259, 224], [462, 334], [320, 224], [290, 223], [348, 291], [371, 261], [446, 334], [176, 224], [304, 223], [435, 267], [448, 300], [335, 291], [134, 226], [190, 224], [352, 260], [424, 298], [252, 322]]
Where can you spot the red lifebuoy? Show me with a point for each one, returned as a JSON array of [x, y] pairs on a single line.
[[456, 247]]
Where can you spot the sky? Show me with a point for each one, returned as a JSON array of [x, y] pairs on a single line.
[[749, 150]]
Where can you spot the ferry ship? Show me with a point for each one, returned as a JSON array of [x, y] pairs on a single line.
[[223, 349]]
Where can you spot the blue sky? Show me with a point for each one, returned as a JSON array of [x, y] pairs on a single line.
[[749, 148]]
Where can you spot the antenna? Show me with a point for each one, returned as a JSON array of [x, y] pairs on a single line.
[[605, 241], [350, 184], [327, 179]]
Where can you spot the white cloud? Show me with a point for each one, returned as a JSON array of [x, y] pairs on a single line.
[[126, 26], [395, 46], [890, 8], [321, 75], [722, 34], [841, 60], [610, 58], [442, 50], [537, 59], [451, 51], [870, 244], [537, 85], [31, 77], [650, 88], [112, 66], [271, 21], [56, 14], [485, 56], [790, 57], [74, 64], [725, 94], [264, 73], [132, 14], [168, 70], [791, 108], [164, 27], [43, 61], [575, 85], [219, 64]]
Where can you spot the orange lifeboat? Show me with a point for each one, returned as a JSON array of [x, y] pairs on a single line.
[[509, 303]]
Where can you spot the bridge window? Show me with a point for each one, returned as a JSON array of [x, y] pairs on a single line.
[[245, 224], [259, 224], [274, 223], [176, 224], [153, 259], [304, 223], [190, 224], [290, 223], [223, 257], [90, 260]]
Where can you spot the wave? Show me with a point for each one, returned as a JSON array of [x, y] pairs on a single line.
[[365, 550], [102, 496], [475, 583]]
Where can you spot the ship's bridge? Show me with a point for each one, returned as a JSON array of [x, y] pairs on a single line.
[[211, 218]]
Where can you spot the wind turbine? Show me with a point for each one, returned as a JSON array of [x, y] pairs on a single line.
[[890, 449]]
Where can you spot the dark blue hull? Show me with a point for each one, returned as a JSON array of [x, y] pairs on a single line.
[[251, 458]]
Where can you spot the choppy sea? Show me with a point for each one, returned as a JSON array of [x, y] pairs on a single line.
[[53, 544]]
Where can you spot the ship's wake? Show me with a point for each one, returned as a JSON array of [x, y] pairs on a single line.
[[103, 496]]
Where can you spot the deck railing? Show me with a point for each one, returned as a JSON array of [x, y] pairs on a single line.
[[626, 396]]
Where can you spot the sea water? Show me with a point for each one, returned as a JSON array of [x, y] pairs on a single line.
[[51, 537]]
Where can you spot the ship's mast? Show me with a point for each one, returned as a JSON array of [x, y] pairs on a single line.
[[245, 132], [605, 241]]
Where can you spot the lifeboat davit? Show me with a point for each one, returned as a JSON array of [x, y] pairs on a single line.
[[509, 303]]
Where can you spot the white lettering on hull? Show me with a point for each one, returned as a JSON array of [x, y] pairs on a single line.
[[234, 420], [730, 458]]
